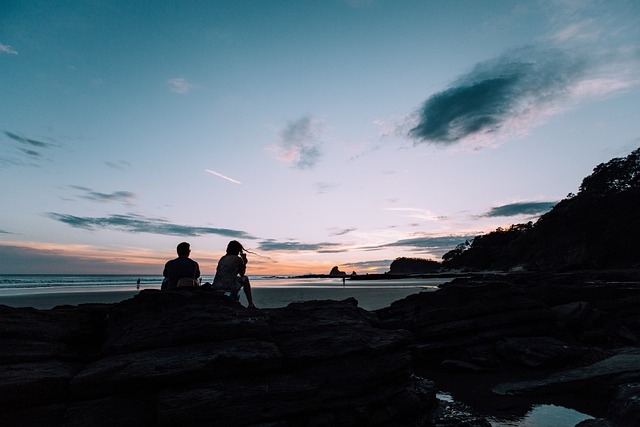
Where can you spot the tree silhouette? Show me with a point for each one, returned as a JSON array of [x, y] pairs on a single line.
[[597, 228]]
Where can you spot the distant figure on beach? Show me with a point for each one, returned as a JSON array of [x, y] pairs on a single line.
[[138, 284], [230, 273], [182, 271]]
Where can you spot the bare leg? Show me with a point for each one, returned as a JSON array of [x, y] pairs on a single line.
[[247, 291]]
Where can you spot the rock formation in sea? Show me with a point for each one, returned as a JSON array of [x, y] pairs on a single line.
[[336, 272]]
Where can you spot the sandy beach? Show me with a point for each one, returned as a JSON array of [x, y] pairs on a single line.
[[368, 298]]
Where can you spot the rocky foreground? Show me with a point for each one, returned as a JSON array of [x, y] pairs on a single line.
[[183, 358]]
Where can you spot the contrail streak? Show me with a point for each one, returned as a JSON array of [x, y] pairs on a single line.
[[235, 181]]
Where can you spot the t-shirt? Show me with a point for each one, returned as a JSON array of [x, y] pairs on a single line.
[[178, 268], [228, 272]]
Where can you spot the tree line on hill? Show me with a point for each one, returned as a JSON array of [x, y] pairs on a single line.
[[597, 228]]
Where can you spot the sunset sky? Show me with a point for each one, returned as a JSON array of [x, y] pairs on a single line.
[[317, 133]]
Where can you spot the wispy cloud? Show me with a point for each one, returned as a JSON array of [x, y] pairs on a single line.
[[417, 213], [121, 165], [324, 187], [28, 150], [5, 48], [294, 246], [180, 85], [341, 231], [218, 174], [5, 232], [125, 197], [139, 224], [583, 31], [28, 141], [517, 90], [300, 143], [434, 245], [368, 265], [520, 208]]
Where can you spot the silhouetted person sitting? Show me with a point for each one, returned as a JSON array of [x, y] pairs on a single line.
[[230, 274], [182, 271]]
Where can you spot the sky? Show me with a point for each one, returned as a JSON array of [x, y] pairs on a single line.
[[317, 133]]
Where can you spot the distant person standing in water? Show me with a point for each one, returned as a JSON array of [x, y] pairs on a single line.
[[230, 273], [182, 267], [138, 284]]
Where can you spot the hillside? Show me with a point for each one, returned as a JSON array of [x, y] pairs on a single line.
[[597, 228]]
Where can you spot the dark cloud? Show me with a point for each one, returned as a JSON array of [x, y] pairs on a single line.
[[517, 85], [30, 153], [368, 264], [117, 196], [139, 224], [5, 232], [31, 142], [30, 149], [432, 243], [300, 144], [520, 208], [272, 245]]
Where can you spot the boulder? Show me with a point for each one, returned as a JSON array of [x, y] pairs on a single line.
[[447, 323], [624, 408], [186, 358], [535, 352], [598, 379]]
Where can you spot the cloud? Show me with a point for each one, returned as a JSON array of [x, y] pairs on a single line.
[[517, 90], [324, 187], [31, 148], [30, 153], [520, 208], [138, 224], [5, 232], [272, 245], [417, 213], [121, 165], [300, 143], [431, 242], [117, 196], [5, 48], [218, 174], [368, 265], [27, 141], [582, 31], [341, 231], [433, 245], [180, 85]]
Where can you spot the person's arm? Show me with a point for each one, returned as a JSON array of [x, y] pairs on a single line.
[[242, 269]]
